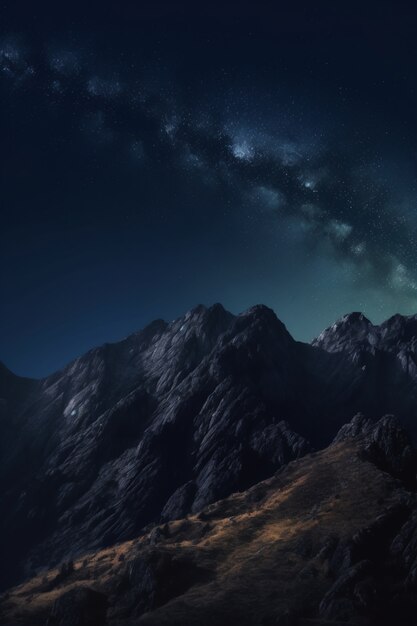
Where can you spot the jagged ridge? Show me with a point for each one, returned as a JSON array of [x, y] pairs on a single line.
[[180, 415]]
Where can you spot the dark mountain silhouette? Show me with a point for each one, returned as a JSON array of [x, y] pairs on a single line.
[[178, 416]]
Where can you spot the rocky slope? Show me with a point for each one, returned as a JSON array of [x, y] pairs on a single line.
[[178, 416], [381, 361], [315, 544]]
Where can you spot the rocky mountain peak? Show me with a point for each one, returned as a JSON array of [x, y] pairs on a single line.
[[181, 414], [262, 319], [399, 331], [354, 331], [349, 329], [209, 321]]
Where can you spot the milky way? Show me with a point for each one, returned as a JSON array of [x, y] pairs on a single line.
[[153, 162]]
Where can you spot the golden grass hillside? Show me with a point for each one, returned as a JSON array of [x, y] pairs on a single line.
[[256, 558]]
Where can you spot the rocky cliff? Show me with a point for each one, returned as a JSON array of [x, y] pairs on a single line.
[[178, 416]]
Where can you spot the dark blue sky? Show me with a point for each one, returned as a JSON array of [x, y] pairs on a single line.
[[160, 154]]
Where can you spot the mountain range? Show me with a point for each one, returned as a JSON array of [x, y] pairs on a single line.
[[142, 447]]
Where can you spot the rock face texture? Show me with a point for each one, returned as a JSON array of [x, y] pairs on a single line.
[[386, 444], [180, 415], [377, 364], [330, 538]]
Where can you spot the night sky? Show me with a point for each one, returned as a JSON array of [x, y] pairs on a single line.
[[157, 155]]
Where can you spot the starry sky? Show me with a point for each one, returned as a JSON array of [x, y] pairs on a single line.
[[157, 155]]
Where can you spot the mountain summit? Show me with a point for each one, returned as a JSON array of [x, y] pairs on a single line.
[[178, 416]]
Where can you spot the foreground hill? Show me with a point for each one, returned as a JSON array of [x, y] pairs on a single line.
[[329, 539], [178, 416]]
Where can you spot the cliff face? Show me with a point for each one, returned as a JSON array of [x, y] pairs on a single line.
[[314, 544], [178, 416]]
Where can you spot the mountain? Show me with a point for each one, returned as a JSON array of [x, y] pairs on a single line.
[[178, 416], [375, 367], [314, 545]]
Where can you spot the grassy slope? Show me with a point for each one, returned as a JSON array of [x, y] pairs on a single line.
[[259, 550]]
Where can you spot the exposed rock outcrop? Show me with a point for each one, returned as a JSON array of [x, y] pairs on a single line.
[[182, 414], [386, 443], [329, 539]]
